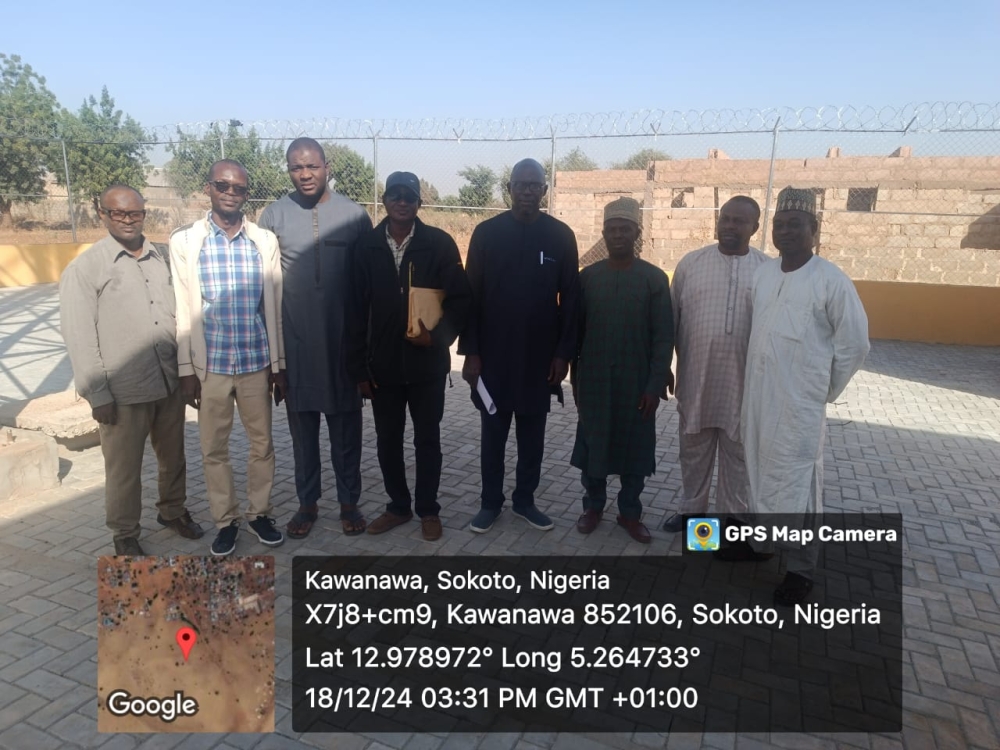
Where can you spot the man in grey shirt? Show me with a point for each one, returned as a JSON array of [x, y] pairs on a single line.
[[316, 229], [117, 315]]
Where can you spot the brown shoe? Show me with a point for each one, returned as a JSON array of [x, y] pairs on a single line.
[[636, 529], [586, 523], [183, 525], [128, 546], [387, 521], [431, 528]]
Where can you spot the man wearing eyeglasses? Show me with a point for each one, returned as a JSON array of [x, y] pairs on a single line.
[[521, 336], [227, 277], [397, 364], [316, 229], [117, 318]]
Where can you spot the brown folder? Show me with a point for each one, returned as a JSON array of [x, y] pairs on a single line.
[[425, 305]]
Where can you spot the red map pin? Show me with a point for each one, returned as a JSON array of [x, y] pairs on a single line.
[[186, 638]]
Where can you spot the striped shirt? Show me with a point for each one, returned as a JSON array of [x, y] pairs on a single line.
[[711, 297], [231, 273]]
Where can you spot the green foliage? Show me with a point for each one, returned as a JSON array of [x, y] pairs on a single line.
[[192, 157], [26, 105], [574, 161], [480, 192], [352, 176], [449, 200], [641, 159], [428, 193], [104, 147]]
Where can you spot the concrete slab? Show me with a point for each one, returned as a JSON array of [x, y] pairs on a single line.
[[63, 416], [29, 462]]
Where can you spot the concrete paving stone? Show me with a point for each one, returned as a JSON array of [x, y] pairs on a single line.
[[21, 708], [59, 708], [24, 736], [119, 742], [76, 728], [18, 645], [33, 660], [978, 728], [62, 638], [46, 683], [162, 741]]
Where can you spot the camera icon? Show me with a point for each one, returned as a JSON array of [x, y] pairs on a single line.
[[702, 534]]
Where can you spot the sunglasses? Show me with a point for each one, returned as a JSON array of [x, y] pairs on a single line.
[[403, 196], [227, 187], [117, 215]]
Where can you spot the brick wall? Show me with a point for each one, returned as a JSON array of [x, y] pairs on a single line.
[[935, 219]]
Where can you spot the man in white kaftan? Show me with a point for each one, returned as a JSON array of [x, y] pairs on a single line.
[[809, 337], [710, 293]]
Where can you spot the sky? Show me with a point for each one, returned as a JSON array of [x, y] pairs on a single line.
[[188, 61]]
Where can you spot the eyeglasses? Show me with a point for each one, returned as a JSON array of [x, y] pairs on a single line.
[[117, 215], [227, 187], [403, 196], [534, 187]]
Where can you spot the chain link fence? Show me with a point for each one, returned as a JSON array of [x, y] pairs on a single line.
[[907, 194]]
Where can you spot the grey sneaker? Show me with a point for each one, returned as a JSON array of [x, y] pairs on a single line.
[[534, 517], [264, 528], [484, 520], [225, 540]]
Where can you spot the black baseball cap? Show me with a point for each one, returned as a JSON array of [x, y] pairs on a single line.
[[403, 179]]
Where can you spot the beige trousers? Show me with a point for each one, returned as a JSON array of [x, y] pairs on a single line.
[[124, 444], [251, 395], [697, 459]]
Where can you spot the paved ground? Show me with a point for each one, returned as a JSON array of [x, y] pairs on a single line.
[[917, 432]]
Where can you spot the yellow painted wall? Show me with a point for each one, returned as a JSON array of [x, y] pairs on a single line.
[[932, 313], [23, 265]]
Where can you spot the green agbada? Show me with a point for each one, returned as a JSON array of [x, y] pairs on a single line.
[[626, 344]]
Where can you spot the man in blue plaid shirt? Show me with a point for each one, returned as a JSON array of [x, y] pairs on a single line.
[[230, 349]]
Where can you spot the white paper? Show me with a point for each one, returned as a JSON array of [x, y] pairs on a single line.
[[484, 394]]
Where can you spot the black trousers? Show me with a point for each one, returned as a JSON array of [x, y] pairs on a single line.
[[530, 432], [345, 454], [426, 404]]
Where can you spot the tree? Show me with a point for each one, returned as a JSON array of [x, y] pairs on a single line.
[[428, 193], [574, 161], [103, 147], [352, 176], [267, 174], [480, 192], [27, 108], [641, 159]]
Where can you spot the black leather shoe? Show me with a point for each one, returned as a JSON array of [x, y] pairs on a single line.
[[674, 524]]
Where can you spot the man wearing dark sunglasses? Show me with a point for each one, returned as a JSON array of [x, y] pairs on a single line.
[[316, 228], [227, 277], [399, 362], [520, 338], [117, 316]]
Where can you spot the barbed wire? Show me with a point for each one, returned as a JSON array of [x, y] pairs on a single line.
[[927, 117]]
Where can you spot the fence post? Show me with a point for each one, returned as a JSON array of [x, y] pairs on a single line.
[[375, 178], [552, 156], [222, 144], [69, 189], [770, 183]]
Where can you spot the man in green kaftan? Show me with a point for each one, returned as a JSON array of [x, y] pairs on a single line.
[[623, 360]]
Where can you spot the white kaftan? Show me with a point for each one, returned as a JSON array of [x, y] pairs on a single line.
[[809, 337]]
